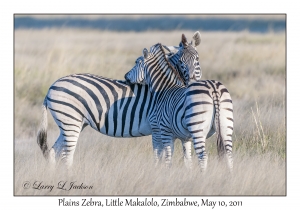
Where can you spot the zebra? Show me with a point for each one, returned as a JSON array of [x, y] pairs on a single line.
[[78, 100], [185, 110]]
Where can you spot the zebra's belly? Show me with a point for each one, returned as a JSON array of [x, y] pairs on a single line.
[[128, 132], [181, 132]]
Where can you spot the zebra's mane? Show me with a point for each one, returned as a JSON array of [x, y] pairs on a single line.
[[171, 66]]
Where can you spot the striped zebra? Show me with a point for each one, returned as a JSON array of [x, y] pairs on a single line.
[[183, 111], [78, 100]]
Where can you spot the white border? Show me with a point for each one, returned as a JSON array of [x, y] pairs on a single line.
[[154, 6]]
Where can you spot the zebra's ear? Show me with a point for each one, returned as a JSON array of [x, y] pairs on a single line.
[[145, 53], [197, 38], [184, 40]]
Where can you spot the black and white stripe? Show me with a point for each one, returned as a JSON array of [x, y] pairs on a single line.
[[184, 112], [208, 108], [106, 105], [109, 106]]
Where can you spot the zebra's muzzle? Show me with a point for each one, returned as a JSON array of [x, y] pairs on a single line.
[[128, 82]]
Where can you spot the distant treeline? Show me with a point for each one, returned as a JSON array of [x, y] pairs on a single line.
[[155, 23]]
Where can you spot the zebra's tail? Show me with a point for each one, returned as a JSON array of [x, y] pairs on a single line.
[[42, 133], [220, 142]]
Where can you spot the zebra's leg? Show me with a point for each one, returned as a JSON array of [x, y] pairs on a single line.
[[157, 147], [224, 142], [156, 139], [226, 128], [52, 160], [199, 146], [187, 156], [199, 125], [168, 144], [56, 150], [172, 147], [69, 146], [64, 148]]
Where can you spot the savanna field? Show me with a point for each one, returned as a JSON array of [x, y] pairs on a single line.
[[251, 65]]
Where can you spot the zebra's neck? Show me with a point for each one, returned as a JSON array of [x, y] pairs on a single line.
[[174, 58], [163, 75]]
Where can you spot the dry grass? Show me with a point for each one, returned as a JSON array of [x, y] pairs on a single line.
[[252, 66], [124, 167]]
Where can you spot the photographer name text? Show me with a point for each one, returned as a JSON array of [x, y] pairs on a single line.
[[61, 185]]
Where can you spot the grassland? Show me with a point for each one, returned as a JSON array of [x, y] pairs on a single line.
[[252, 66]]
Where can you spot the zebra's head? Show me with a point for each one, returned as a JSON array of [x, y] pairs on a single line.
[[140, 73], [189, 57], [137, 74]]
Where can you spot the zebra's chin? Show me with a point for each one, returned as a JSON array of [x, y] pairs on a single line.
[[128, 80]]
